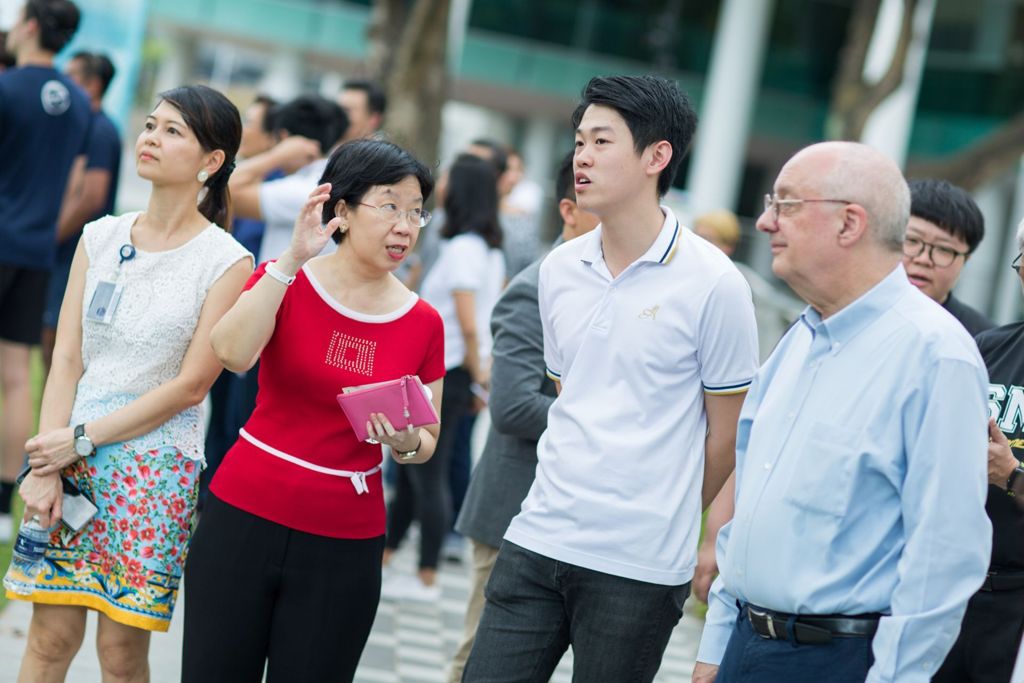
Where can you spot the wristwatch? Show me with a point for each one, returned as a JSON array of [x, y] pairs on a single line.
[[83, 444], [1014, 482]]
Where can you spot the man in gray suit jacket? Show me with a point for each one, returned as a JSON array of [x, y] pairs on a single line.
[[521, 394]]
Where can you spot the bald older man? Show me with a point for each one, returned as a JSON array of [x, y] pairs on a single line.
[[860, 529]]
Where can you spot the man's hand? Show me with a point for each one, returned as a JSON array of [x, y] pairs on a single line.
[[294, 152], [706, 571], [51, 452], [704, 673], [42, 496], [1001, 461]]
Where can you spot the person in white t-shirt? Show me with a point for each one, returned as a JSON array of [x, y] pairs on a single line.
[[650, 336], [309, 126], [463, 285]]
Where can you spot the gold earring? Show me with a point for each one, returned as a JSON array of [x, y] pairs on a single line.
[[202, 176]]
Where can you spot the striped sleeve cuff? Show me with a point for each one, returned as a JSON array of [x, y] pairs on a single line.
[[726, 389], [552, 375]]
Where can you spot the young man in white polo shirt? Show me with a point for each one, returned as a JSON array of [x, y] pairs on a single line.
[[650, 332]]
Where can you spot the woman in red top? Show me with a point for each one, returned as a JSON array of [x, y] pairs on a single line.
[[285, 566]]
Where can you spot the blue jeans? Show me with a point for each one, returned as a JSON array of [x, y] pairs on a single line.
[[536, 607], [749, 658]]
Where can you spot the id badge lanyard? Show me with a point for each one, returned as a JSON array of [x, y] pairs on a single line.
[[108, 291]]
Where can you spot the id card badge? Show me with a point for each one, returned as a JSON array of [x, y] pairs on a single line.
[[104, 302]]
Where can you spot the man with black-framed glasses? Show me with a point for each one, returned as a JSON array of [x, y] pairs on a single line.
[[944, 229], [990, 633]]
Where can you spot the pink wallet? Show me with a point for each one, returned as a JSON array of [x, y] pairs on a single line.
[[403, 400]]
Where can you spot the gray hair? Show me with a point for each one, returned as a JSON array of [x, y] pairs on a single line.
[[867, 177]]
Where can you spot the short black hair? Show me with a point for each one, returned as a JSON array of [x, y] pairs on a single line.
[[98, 66], [357, 166], [499, 156], [471, 200], [57, 19], [313, 117], [654, 109], [949, 207], [565, 187], [376, 99]]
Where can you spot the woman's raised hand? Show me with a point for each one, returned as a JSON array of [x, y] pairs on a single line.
[[310, 235]]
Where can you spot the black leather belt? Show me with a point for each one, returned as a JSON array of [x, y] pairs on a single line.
[[1003, 581], [809, 629]]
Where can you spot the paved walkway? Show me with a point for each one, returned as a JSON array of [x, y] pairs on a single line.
[[410, 642]]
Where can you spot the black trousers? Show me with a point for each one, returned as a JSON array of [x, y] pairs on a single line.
[[423, 492], [261, 594], [986, 649]]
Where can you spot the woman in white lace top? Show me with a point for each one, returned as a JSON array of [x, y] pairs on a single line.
[[121, 414]]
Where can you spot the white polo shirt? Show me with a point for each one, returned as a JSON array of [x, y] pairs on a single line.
[[281, 200], [620, 467]]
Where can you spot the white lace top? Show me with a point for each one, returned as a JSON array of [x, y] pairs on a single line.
[[152, 327]]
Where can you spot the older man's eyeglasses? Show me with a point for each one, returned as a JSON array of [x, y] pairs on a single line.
[[786, 207], [1015, 264], [392, 214], [940, 255]]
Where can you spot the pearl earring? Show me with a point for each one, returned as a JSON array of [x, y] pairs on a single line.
[[202, 176]]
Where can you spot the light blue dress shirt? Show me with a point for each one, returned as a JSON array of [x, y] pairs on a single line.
[[861, 479]]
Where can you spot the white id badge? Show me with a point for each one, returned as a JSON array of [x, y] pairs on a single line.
[[104, 301], [76, 510]]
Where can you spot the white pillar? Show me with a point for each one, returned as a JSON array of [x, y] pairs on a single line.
[[1009, 298], [977, 281], [330, 85], [283, 78], [458, 21], [730, 89], [540, 149], [889, 126]]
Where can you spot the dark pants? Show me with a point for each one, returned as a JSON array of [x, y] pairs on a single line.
[[990, 634], [461, 466], [258, 593], [423, 491], [536, 607], [749, 658]]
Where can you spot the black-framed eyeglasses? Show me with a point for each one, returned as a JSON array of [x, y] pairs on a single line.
[[941, 256], [392, 214], [789, 206], [1015, 264]]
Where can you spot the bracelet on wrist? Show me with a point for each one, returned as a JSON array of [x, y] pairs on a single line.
[[409, 455], [273, 272]]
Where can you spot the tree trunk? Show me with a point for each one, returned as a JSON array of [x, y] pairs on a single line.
[[386, 21], [413, 69], [853, 98]]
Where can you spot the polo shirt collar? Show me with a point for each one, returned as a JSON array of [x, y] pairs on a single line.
[[662, 251], [855, 317]]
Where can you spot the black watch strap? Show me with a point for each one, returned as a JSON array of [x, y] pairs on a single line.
[[1014, 480]]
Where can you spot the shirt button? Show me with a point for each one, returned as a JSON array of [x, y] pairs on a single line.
[[791, 415], [767, 465]]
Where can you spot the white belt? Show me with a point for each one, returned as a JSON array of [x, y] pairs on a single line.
[[358, 479]]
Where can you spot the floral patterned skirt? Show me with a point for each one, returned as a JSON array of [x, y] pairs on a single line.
[[126, 562]]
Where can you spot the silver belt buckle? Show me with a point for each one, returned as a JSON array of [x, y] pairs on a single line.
[[769, 621]]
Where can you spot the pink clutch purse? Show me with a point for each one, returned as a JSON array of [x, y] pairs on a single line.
[[405, 402]]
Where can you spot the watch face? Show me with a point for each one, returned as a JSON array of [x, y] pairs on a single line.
[[83, 446]]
